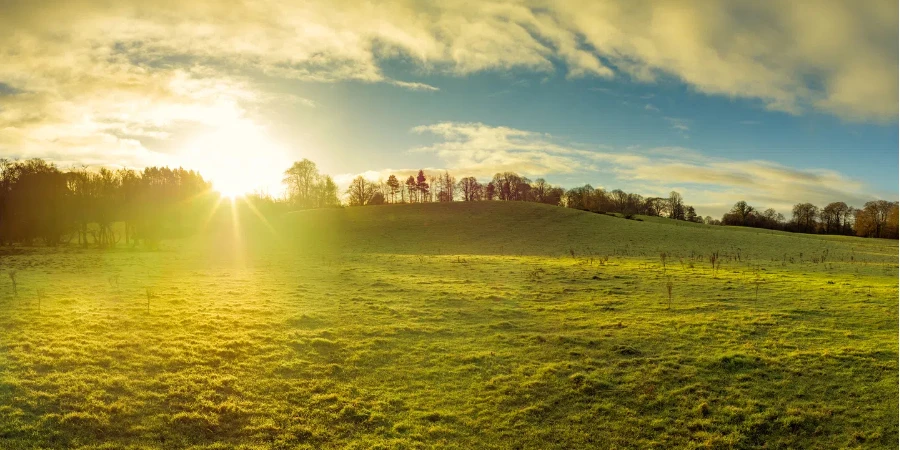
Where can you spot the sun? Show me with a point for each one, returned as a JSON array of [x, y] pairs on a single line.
[[238, 159]]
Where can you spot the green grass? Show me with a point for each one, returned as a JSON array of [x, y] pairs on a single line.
[[461, 325]]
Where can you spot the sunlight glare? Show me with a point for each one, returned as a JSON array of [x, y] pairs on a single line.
[[238, 159]]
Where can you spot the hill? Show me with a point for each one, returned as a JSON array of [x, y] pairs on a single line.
[[524, 228], [484, 325]]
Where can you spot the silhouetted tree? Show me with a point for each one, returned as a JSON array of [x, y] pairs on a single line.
[[690, 215], [361, 192], [300, 180], [412, 189], [804, 217], [326, 192], [490, 191], [832, 217], [676, 206], [470, 188], [448, 183], [422, 186], [393, 187]]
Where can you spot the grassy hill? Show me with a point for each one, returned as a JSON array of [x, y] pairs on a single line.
[[522, 228], [483, 325]]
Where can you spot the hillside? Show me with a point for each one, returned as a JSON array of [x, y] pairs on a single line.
[[521, 228], [453, 326]]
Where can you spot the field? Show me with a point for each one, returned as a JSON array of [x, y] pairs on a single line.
[[483, 325]]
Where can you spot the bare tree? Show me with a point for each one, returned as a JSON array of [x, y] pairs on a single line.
[[300, 180], [676, 206], [470, 188], [361, 191], [805, 215]]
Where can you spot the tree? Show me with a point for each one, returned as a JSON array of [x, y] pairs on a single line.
[[490, 191], [300, 180], [655, 206], [892, 223], [873, 219], [470, 188], [832, 216], [361, 192], [804, 217], [326, 192], [448, 183], [619, 199], [434, 186], [554, 196], [393, 187], [676, 206], [741, 214], [539, 189], [510, 186], [411, 189], [690, 215], [422, 186]]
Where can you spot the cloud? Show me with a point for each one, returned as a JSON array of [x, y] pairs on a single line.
[[93, 80], [414, 86], [679, 125], [650, 107], [710, 184], [481, 150], [835, 56]]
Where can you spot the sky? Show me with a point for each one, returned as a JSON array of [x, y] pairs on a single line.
[[770, 102]]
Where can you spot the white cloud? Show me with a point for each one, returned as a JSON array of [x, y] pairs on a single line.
[[760, 50], [482, 150], [414, 86], [92, 80]]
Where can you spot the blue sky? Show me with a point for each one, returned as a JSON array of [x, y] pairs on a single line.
[[767, 102]]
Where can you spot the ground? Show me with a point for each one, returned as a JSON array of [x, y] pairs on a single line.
[[487, 325]]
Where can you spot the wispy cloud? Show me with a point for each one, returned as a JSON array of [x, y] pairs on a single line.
[[482, 150], [682, 126], [650, 107], [415, 86]]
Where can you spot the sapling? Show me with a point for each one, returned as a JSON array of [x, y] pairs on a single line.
[[12, 277], [669, 286], [757, 281]]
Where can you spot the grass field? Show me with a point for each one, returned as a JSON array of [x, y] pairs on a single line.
[[483, 325]]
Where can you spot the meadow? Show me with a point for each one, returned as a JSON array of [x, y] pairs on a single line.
[[462, 325]]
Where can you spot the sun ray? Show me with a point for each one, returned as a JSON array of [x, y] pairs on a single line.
[[261, 217]]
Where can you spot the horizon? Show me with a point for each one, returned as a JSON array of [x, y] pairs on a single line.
[[554, 224], [755, 104]]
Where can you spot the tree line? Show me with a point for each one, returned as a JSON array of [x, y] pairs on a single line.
[[40, 202], [442, 187], [877, 218], [510, 186]]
